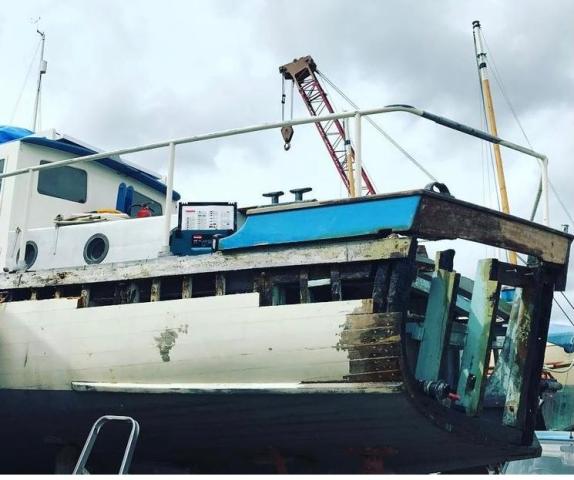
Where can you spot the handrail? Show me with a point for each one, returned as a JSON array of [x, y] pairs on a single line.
[[80, 467], [356, 114]]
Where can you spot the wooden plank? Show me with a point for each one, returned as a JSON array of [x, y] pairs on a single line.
[[437, 323], [261, 257], [440, 217], [476, 353], [288, 343], [515, 352]]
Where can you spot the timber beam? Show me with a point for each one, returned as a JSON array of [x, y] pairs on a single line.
[[392, 247]]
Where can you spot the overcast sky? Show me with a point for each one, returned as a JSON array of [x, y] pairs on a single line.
[[132, 72]]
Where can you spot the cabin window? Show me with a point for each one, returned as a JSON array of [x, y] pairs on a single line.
[[140, 199], [1, 171], [68, 183]]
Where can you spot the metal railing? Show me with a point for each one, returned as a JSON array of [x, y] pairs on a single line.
[[357, 115]]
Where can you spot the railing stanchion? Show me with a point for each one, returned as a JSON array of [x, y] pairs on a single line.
[[358, 157], [168, 198], [21, 264]]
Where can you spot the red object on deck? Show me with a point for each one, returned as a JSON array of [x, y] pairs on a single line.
[[143, 212]]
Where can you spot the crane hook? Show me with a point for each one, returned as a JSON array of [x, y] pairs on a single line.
[[287, 133]]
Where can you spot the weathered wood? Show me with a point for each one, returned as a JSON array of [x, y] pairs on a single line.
[[381, 286], [264, 257], [370, 320], [84, 300], [514, 355], [438, 318], [186, 286], [440, 217], [336, 291], [155, 294], [476, 353], [219, 284], [33, 294], [304, 286]]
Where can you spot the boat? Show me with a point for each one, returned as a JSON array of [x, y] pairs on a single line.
[[309, 335], [304, 336]]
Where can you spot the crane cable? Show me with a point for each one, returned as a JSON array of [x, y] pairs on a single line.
[[379, 129]]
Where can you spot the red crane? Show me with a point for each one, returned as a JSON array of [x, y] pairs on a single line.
[[302, 72]]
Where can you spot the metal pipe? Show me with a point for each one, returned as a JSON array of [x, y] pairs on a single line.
[[350, 160], [358, 157], [302, 121], [41, 72], [168, 198], [21, 264]]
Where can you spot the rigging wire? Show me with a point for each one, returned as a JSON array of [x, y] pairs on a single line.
[[554, 298], [379, 129], [499, 82], [16, 105]]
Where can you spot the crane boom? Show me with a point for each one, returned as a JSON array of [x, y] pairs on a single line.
[[302, 72]]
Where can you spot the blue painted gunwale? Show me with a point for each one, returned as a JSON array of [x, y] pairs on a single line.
[[342, 219]]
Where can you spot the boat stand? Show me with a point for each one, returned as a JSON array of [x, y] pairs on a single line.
[[80, 468]]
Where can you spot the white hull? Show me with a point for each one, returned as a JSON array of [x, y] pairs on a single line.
[[49, 344]]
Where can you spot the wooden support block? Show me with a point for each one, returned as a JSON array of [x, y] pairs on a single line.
[[438, 319], [219, 284], [481, 321], [57, 293], [186, 286], [155, 294], [33, 294]]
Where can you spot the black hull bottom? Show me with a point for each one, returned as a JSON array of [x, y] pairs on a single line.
[[237, 433]]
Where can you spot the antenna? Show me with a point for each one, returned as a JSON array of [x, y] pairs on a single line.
[[41, 71]]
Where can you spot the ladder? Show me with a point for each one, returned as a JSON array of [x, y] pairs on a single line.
[[80, 468]]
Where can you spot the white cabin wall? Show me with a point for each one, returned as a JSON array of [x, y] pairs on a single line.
[[9, 152], [103, 184], [102, 191]]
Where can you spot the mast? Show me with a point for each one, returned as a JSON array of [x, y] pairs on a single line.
[[491, 121], [41, 71]]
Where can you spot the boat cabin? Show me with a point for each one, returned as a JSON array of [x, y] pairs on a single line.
[[85, 195]]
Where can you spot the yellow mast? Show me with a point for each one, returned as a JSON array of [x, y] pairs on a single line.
[[491, 123]]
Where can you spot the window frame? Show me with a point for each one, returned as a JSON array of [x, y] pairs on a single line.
[[65, 168]]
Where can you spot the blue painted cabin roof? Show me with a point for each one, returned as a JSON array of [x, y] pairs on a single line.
[[9, 134]]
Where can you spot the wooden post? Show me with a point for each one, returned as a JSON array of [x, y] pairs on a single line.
[[336, 291], [219, 284], [304, 287], [438, 318], [155, 294], [186, 286], [480, 327], [84, 300]]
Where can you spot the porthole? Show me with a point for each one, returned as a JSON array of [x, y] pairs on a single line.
[[30, 254], [96, 248]]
